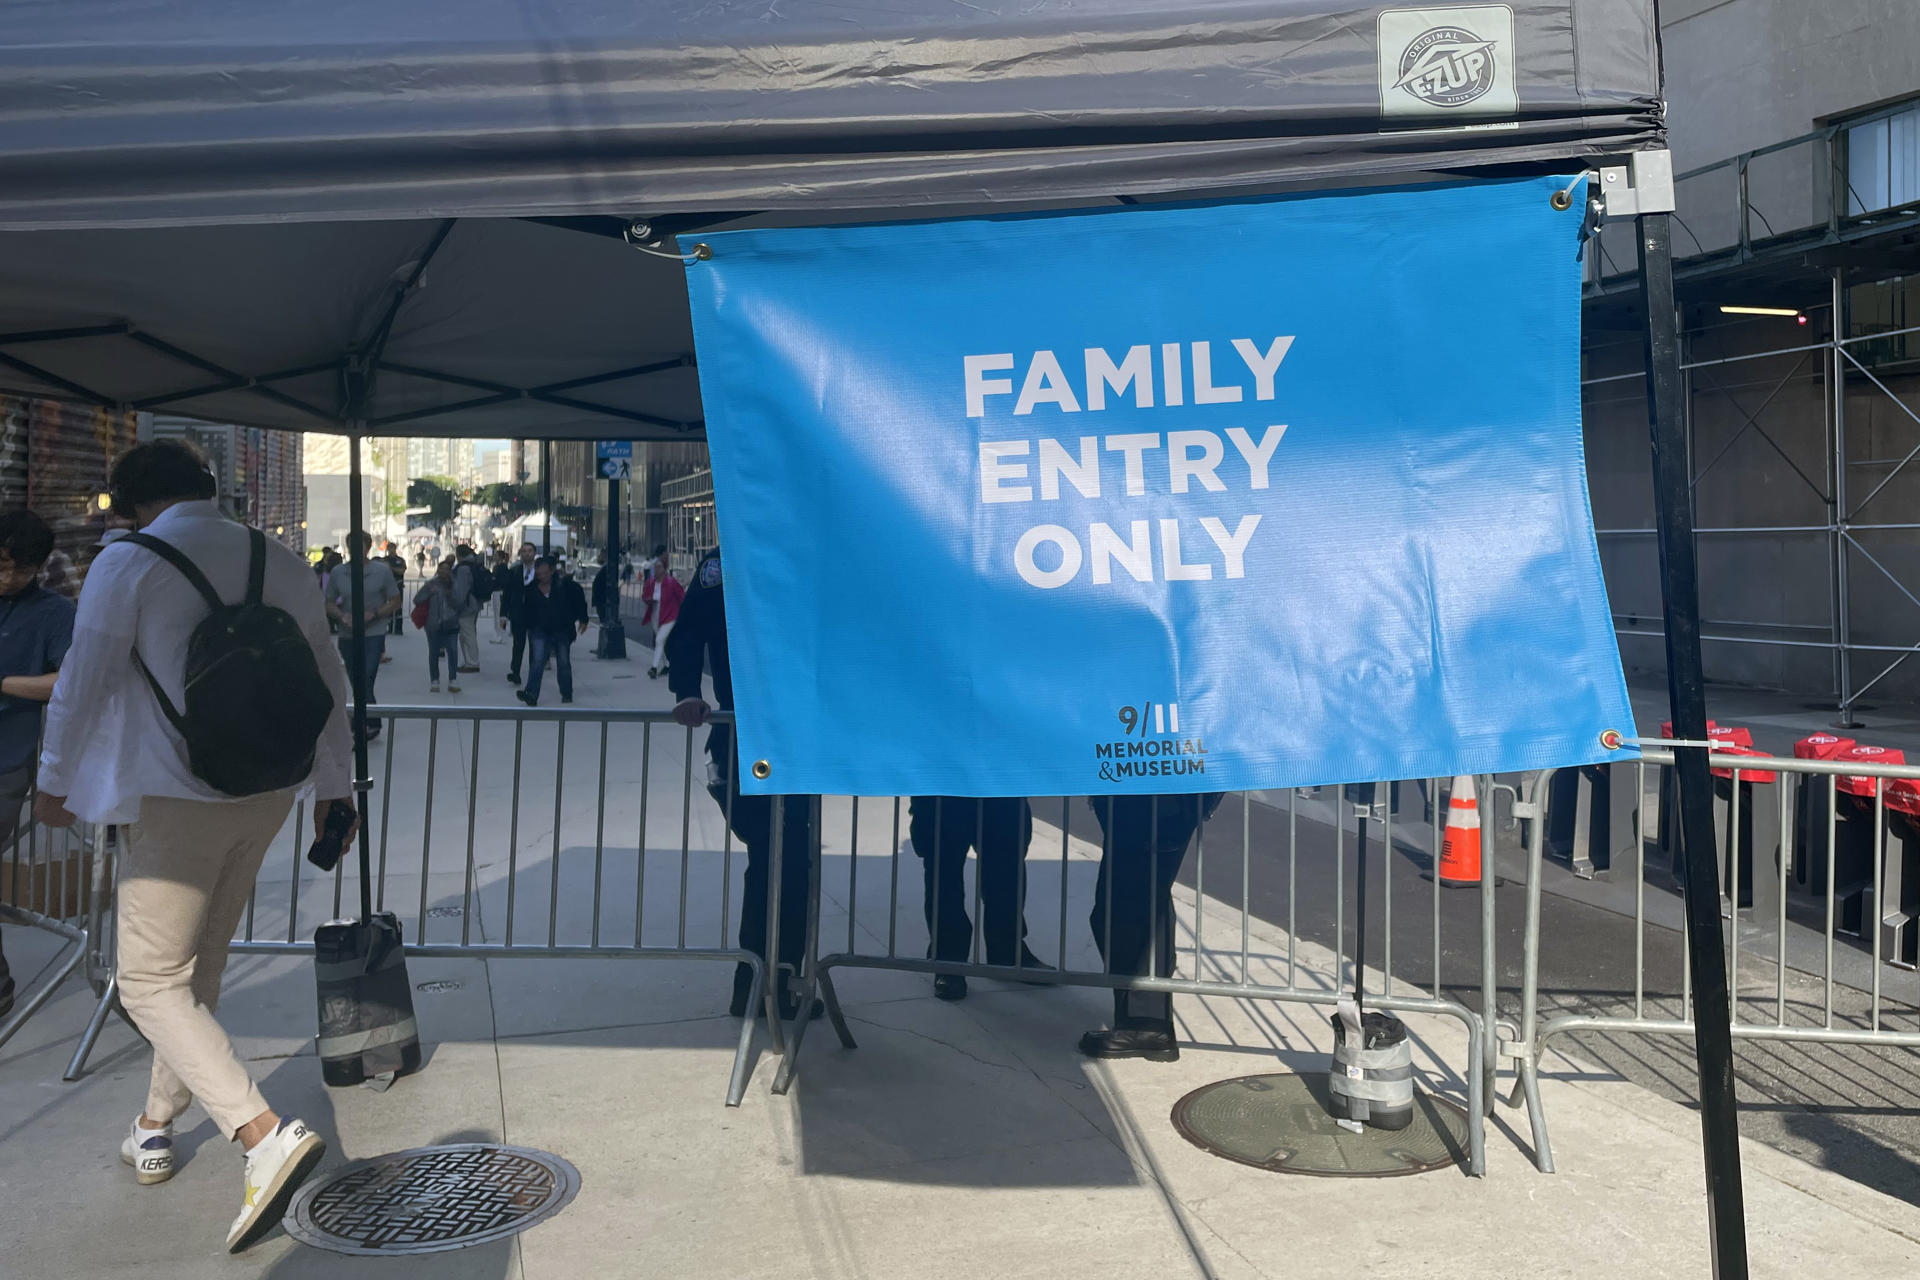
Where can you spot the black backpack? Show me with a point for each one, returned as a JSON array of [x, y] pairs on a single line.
[[256, 703], [482, 579]]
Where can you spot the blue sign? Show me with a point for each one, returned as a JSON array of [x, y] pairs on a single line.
[[607, 449], [1258, 494]]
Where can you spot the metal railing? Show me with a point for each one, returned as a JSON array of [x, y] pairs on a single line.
[[1833, 810], [59, 882], [1302, 975]]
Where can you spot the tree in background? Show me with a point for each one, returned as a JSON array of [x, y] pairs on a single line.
[[438, 495]]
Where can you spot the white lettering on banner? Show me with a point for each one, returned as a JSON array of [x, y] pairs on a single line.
[[1167, 462], [980, 387], [993, 471], [1046, 579], [1046, 382]]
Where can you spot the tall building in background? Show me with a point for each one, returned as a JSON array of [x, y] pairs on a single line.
[[580, 495], [260, 473], [54, 458]]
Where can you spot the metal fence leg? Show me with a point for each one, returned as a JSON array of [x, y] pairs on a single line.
[[45, 993], [743, 1056], [809, 960], [91, 1035]]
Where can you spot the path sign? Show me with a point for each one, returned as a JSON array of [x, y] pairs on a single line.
[[615, 458]]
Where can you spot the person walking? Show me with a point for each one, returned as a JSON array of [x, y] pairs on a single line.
[[397, 563], [443, 595], [475, 585], [382, 598], [36, 626], [119, 750], [664, 596], [554, 613], [514, 582]]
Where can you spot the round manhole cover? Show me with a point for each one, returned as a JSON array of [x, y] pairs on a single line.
[[1281, 1123], [431, 1199]]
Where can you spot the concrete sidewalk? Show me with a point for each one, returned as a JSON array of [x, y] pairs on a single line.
[[958, 1140]]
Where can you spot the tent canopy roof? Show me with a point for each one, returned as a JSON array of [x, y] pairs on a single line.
[[292, 215]]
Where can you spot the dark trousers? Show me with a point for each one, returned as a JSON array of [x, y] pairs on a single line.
[[519, 645], [560, 648], [1144, 840], [999, 829], [14, 786], [365, 669], [447, 642], [751, 819]]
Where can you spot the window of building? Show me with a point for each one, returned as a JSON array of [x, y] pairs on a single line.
[[1883, 162]]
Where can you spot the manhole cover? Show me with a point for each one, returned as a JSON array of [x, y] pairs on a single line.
[[1281, 1123], [431, 1199]]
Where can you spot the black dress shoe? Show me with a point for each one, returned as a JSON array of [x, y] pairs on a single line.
[[1028, 960], [949, 986], [1129, 1042], [513, 677]]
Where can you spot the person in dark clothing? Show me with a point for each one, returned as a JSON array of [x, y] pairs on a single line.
[[699, 643], [606, 594], [397, 563], [513, 581], [553, 612], [999, 830], [1144, 839], [36, 627]]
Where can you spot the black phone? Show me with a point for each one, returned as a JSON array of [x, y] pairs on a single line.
[[332, 840]]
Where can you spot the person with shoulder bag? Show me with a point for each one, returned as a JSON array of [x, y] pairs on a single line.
[[444, 599]]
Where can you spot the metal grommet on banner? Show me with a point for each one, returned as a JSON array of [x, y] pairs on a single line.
[[762, 770], [1612, 739], [1561, 200], [703, 251]]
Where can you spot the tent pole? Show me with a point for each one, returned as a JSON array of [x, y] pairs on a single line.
[[356, 669], [1686, 687], [546, 499]]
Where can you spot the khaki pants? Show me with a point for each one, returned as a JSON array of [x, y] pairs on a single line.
[[187, 873], [469, 639]]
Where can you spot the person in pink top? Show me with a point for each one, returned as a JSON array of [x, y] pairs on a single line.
[[664, 594]]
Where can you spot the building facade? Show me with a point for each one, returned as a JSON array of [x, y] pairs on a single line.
[[260, 474], [1795, 130], [580, 495], [54, 459]]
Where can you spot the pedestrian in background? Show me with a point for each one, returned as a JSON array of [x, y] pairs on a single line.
[[36, 626], [444, 598], [398, 564], [664, 597], [514, 582], [474, 584], [554, 613], [116, 751], [381, 599]]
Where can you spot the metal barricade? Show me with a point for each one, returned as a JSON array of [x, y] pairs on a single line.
[[502, 789], [1804, 786], [58, 881], [1214, 971]]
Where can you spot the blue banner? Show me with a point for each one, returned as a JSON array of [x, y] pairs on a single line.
[[1258, 494]]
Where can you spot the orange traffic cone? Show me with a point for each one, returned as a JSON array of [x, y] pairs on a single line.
[[1460, 852]]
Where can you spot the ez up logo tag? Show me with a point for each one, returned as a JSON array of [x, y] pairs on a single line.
[[1446, 61]]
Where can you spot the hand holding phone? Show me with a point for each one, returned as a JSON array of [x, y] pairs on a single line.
[[333, 833]]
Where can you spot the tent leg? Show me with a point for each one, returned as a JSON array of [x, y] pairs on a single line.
[[1686, 686], [356, 670], [546, 498]]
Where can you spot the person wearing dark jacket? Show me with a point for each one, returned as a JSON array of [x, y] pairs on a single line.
[[553, 613], [1144, 840], [513, 581], [699, 644]]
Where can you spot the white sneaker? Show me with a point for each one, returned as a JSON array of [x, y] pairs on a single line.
[[275, 1169], [434, 687], [149, 1152], [452, 687]]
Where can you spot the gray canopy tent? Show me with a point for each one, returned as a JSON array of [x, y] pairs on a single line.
[[423, 217]]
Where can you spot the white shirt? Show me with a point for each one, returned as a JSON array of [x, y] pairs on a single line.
[[107, 743]]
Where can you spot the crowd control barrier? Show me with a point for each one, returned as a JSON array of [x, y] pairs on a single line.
[[882, 930], [59, 882], [526, 840], [1830, 826]]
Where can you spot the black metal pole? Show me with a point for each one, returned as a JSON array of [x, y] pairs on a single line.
[[1360, 915], [357, 669], [613, 632], [546, 499], [1686, 687]]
